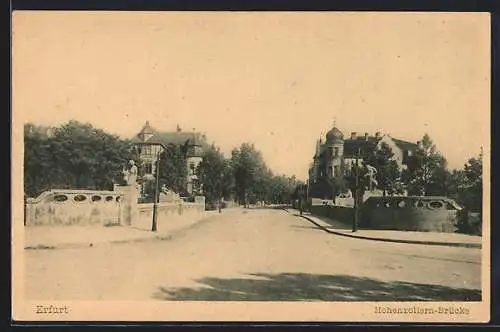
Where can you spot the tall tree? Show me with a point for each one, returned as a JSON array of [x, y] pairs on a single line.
[[173, 169], [212, 173], [76, 155], [423, 166], [474, 173], [248, 168]]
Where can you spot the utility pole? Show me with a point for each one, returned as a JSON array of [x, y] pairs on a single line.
[[154, 227], [307, 193], [220, 191], [356, 196]]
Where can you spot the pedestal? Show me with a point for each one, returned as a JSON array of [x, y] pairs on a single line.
[[128, 204]]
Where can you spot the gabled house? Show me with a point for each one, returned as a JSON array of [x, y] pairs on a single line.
[[150, 142]]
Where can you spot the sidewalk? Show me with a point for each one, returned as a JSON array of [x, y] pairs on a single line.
[[65, 237], [427, 238]]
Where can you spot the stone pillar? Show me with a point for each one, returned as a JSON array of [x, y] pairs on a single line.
[[128, 205]]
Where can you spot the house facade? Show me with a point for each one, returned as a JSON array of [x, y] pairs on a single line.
[[336, 154], [150, 142]]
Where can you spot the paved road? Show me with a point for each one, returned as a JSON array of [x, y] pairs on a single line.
[[255, 255]]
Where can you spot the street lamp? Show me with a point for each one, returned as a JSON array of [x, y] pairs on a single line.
[[307, 195], [154, 227], [220, 192], [356, 196]]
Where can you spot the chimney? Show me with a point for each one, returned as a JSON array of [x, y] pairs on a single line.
[[353, 135], [366, 136], [378, 134]]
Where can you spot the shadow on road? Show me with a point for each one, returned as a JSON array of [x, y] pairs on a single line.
[[313, 287]]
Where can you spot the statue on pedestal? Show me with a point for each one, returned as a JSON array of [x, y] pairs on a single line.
[[372, 171], [130, 175]]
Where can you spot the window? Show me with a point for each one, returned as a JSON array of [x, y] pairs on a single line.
[[336, 152], [146, 150], [148, 168]]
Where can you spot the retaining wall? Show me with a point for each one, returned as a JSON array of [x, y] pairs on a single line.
[[339, 213], [398, 213], [170, 215]]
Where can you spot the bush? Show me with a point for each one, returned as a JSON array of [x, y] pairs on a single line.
[[469, 222]]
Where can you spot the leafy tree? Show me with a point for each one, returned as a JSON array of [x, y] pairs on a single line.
[[228, 187], [40, 170], [474, 186], [212, 175], [282, 188], [248, 168], [76, 155], [263, 183], [173, 171], [423, 167], [439, 181]]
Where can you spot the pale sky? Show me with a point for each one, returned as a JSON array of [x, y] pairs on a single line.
[[275, 79]]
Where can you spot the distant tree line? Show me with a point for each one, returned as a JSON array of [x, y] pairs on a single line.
[[243, 177], [78, 156]]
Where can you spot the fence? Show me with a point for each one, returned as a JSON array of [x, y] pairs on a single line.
[[94, 207]]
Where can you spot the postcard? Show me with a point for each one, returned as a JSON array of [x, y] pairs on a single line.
[[251, 166]]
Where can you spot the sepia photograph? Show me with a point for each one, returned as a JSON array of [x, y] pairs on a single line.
[[250, 166]]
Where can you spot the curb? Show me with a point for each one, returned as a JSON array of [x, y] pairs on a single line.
[[91, 244], [433, 243], [156, 237]]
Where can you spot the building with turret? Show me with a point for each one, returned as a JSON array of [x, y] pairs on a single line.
[[336, 154], [150, 142]]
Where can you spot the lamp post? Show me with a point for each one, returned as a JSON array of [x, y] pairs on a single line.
[[356, 196], [220, 191], [307, 195], [154, 227]]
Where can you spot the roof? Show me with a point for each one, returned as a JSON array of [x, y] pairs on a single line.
[[147, 129], [405, 145], [334, 133], [351, 146], [178, 138], [164, 138]]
